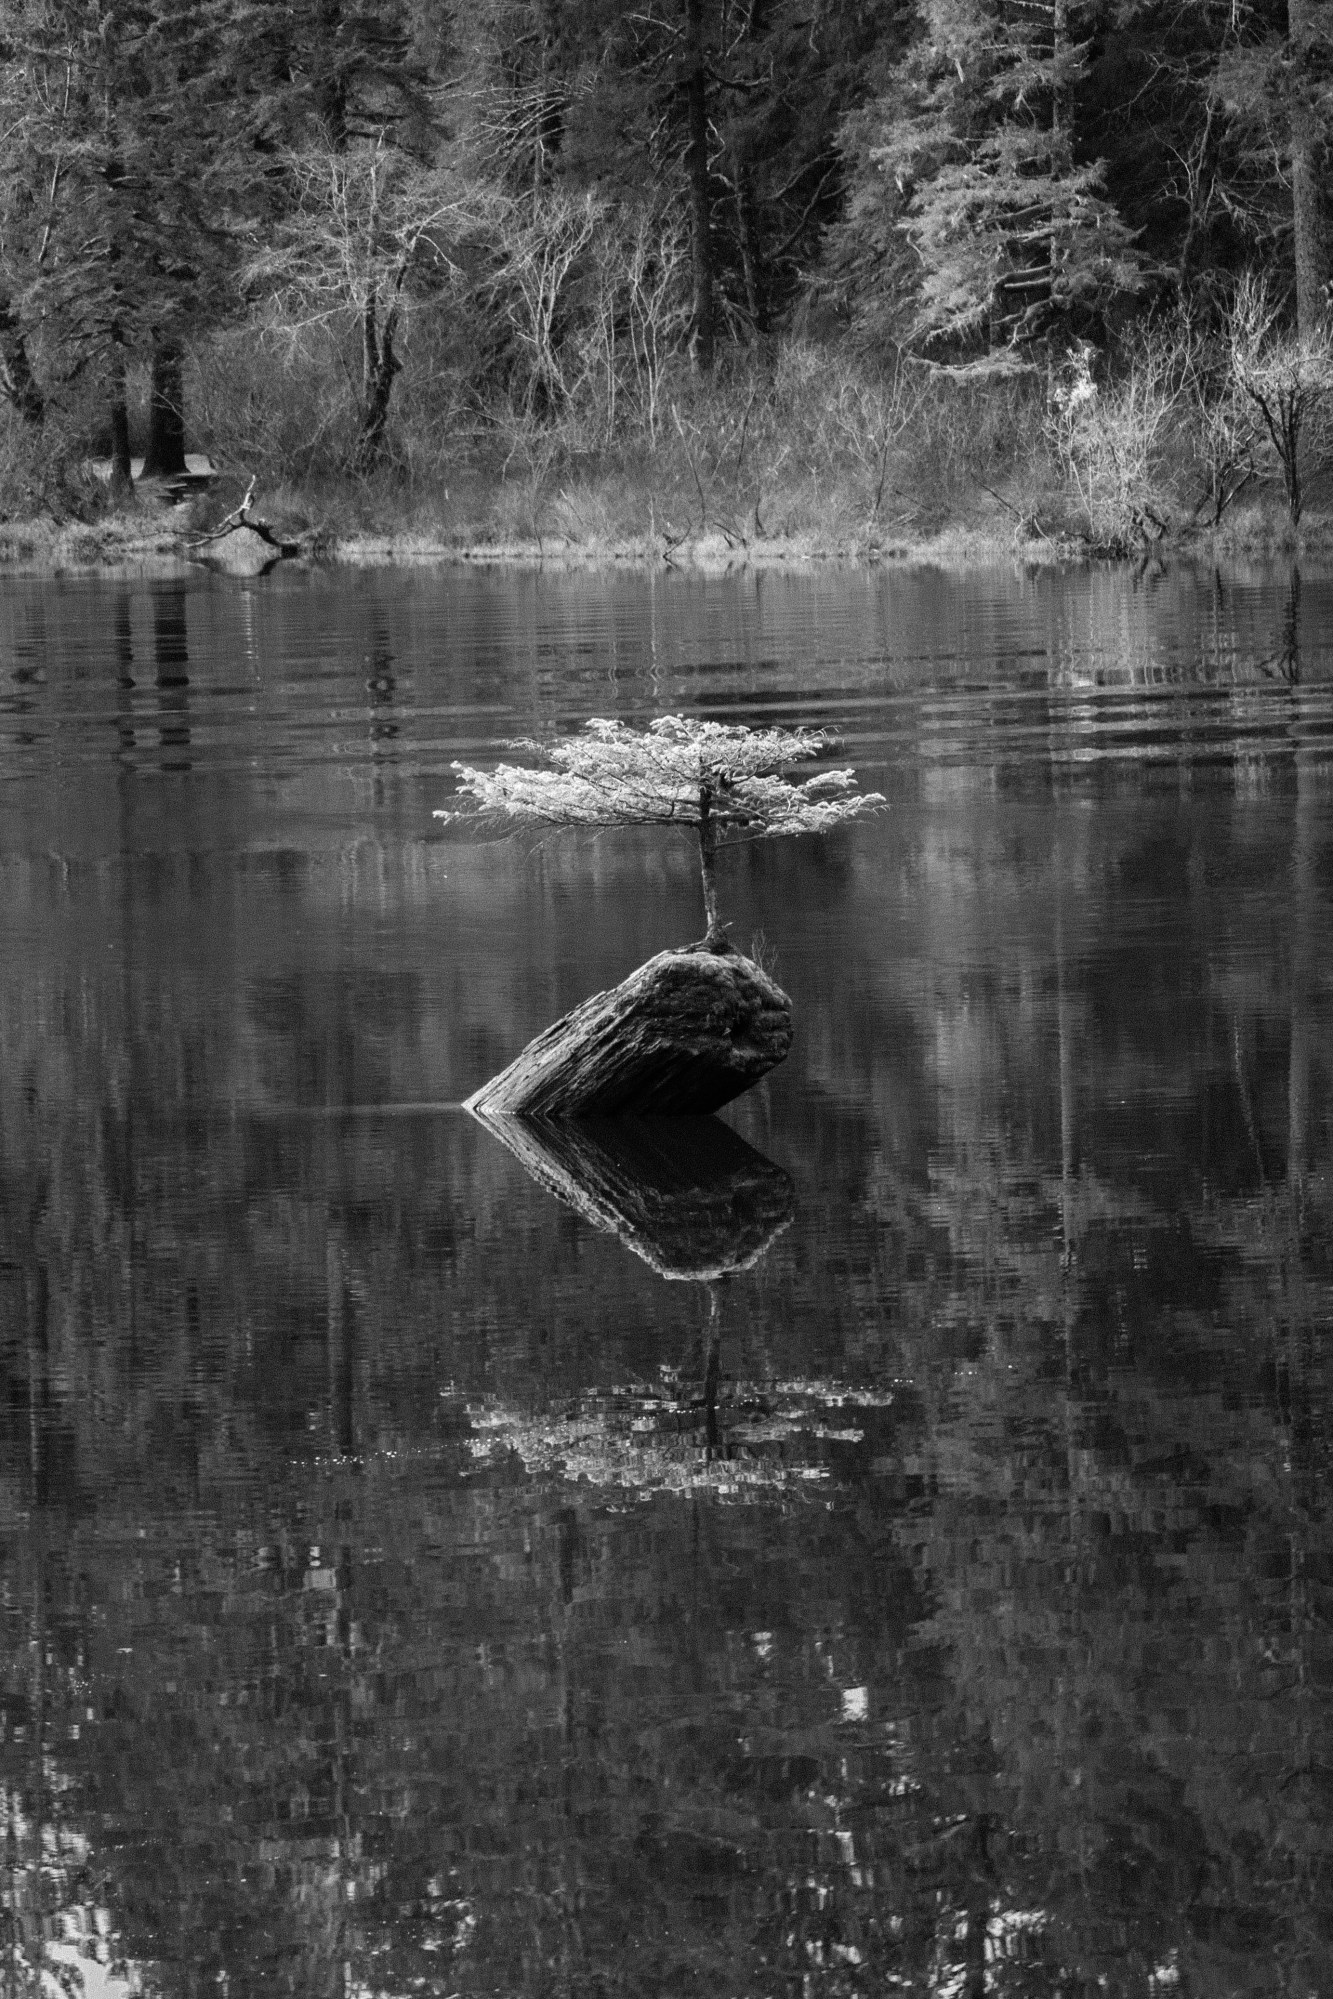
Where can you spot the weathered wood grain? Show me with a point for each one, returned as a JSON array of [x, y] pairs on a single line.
[[681, 1036]]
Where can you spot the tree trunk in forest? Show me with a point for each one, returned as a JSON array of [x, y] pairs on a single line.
[[1303, 1032], [17, 381], [379, 365], [1061, 156], [122, 476], [696, 161], [1308, 26], [329, 88], [165, 455], [550, 118], [750, 255]]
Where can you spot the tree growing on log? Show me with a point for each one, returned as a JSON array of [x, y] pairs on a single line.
[[725, 782]]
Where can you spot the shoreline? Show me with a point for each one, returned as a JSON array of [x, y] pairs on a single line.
[[36, 549]]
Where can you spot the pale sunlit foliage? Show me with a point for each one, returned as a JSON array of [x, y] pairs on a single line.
[[724, 780], [677, 772]]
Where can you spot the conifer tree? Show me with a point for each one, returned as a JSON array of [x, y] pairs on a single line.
[[972, 152], [119, 191], [723, 781]]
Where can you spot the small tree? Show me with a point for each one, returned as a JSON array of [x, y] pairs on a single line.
[[367, 218], [1114, 440], [1288, 378], [726, 782]]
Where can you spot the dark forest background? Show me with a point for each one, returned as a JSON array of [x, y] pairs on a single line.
[[742, 266]]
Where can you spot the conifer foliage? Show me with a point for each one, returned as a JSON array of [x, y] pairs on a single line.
[[485, 226], [975, 146], [724, 781]]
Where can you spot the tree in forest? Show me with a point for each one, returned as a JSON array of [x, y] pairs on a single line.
[[367, 219], [973, 151], [117, 200], [728, 112], [148, 146], [1216, 123], [359, 201], [724, 781], [1308, 54], [1286, 378], [782, 85]]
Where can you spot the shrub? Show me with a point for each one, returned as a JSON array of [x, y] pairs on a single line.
[[1112, 440], [1287, 380]]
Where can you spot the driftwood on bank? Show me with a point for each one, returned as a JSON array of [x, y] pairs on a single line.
[[241, 545], [247, 550], [681, 1036], [685, 1194]]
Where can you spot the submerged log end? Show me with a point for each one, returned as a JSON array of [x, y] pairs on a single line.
[[681, 1036]]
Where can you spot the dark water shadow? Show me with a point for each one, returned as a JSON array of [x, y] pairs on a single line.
[[171, 651], [685, 1194]]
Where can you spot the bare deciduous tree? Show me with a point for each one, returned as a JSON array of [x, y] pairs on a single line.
[[364, 219], [1287, 378], [541, 243]]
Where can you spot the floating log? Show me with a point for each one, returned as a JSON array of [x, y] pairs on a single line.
[[686, 1194], [681, 1036]]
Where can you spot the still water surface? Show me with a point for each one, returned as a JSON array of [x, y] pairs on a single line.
[[404, 1586]]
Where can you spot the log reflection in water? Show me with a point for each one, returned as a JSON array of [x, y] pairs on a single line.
[[685, 1194]]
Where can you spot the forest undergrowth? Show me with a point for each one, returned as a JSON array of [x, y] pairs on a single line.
[[796, 449]]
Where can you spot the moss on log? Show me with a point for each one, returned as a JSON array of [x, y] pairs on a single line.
[[686, 1194], [681, 1036]]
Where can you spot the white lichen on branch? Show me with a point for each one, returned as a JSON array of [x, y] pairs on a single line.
[[724, 780]]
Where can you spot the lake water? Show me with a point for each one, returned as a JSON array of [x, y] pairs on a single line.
[[407, 1589]]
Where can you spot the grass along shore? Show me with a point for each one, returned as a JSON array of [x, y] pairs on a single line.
[[812, 458], [154, 536]]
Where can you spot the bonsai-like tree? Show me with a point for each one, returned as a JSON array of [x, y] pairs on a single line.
[[725, 781]]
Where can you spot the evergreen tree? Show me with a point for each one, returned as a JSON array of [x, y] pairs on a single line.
[[121, 194], [725, 782], [973, 157]]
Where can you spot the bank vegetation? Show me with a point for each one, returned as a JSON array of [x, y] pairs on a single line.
[[731, 279]]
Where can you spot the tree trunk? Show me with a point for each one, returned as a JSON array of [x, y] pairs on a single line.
[[751, 263], [550, 122], [1305, 22], [165, 456], [379, 365], [1290, 414], [329, 85], [17, 381], [696, 161], [1061, 156], [715, 937], [1305, 920], [122, 476]]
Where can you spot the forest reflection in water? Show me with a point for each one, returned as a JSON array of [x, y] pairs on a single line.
[[403, 1588]]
